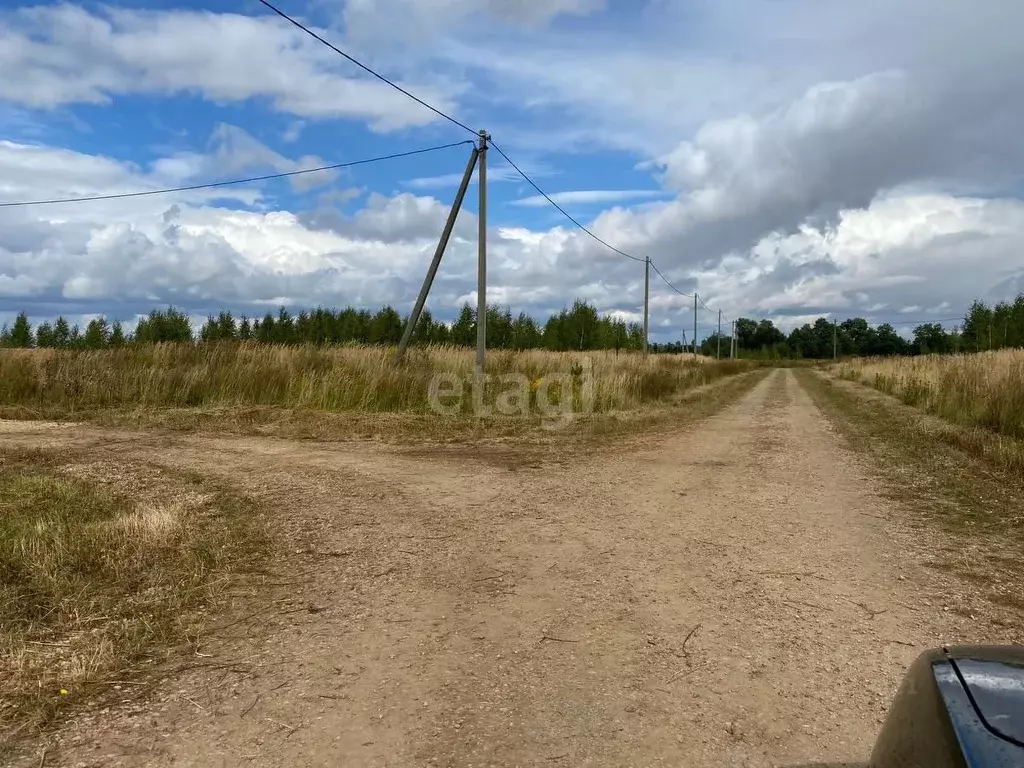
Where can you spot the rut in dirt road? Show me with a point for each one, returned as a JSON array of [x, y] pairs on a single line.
[[726, 596]]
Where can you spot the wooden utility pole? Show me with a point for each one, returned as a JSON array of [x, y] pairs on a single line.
[[481, 267]]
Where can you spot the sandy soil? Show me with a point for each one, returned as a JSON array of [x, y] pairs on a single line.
[[727, 596]]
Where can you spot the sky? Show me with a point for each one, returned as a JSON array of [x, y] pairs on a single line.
[[785, 160]]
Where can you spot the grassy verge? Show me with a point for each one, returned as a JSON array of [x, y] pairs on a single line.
[[340, 393], [309, 424], [65, 383], [978, 399], [984, 390], [974, 501], [101, 579]]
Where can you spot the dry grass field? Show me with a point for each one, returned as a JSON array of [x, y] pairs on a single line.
[[64, 383], [984, 390]]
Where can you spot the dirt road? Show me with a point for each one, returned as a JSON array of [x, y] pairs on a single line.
[[728, 596]]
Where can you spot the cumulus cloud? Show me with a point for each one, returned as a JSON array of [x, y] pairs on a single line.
[[862, 160], [922, 255], [64, 54], [902, 254]]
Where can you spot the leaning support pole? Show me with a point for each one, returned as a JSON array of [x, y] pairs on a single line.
[[446, 233]]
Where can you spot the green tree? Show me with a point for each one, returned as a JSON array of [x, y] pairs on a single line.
[[75, 339], [264, 331], [163, 325], [499, 327], [636, 336], [746, 333], [579, 327], [422, 334], [61, 333], [21, 333], [284, 328], [44, 335], [931, 339], [767, 336], [117, 338], [386, 327], [524, 332], [978, 326], [464, 328], [97, 334]]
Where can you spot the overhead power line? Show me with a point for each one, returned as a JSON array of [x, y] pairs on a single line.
[[248, 180], [560, 209], [365, 68], [666, 281], [709, 309]]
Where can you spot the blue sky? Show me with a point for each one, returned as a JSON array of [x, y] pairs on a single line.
[[784, 159]]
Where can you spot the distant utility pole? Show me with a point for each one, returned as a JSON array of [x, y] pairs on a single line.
[[718, 353], [481, 268], [835, 338], [732, 341], [694, 325], [647, 301], [446, 234]]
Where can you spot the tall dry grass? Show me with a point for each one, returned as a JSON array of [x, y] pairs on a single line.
[[984, 390], [333, 379]]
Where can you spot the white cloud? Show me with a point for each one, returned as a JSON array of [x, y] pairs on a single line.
[[494, 175], [825, 158], [588, 197], [422, 20], [900, 255], [64, 54], [901, 251]]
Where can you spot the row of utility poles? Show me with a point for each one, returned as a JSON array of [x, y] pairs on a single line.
[[647, 319], [478, 162]]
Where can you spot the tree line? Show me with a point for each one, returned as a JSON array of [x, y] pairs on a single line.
[[984, 328], [576, 328]]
